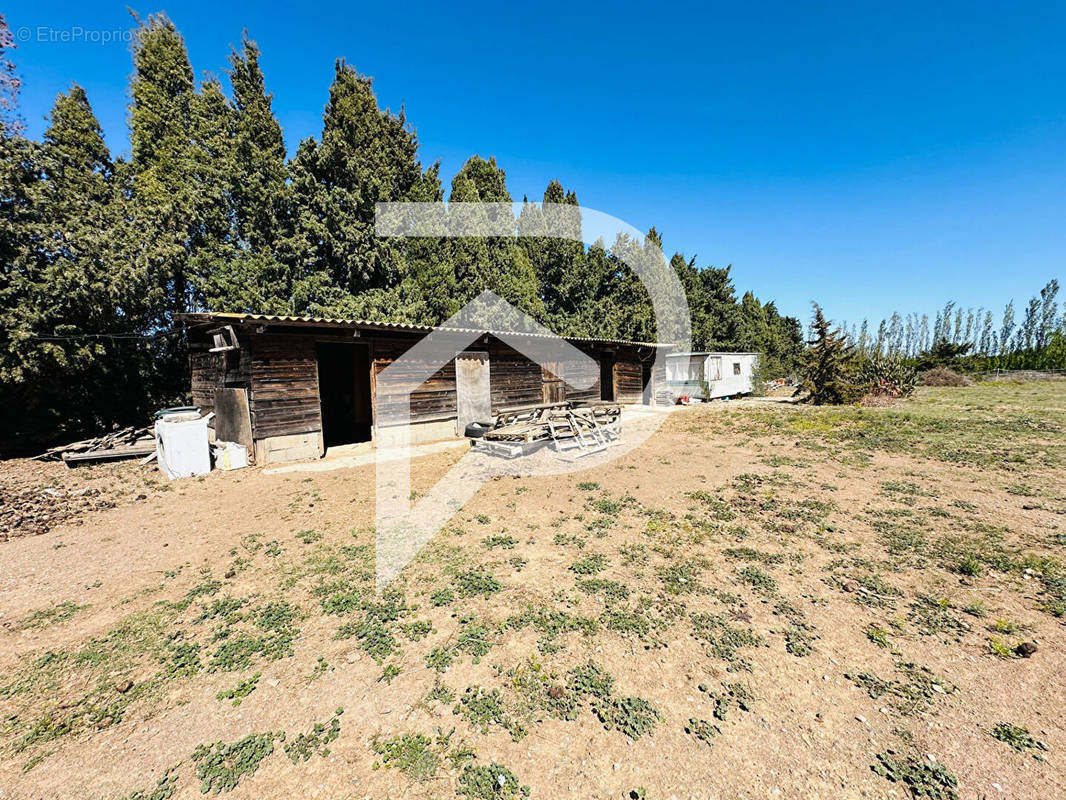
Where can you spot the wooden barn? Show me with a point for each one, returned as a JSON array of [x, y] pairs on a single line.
[[290, 387]]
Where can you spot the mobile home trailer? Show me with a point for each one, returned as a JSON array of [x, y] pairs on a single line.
[[710, 375]]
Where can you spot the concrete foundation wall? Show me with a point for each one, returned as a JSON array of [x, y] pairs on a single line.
[[278, 449]]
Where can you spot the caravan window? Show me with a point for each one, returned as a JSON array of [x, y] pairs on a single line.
[[736, 367]]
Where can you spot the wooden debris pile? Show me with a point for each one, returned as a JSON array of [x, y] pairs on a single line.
[[584, 429], [128, 442]]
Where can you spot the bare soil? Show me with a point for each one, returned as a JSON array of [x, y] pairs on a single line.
[[810, 590]]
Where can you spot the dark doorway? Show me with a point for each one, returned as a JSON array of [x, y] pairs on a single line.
[[648, 390], [607, 376], [344, 393]]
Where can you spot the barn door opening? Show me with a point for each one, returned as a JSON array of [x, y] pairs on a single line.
[[344, 392], [607, 376], [473, 390]]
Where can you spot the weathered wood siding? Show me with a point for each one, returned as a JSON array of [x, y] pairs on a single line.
[[515, 380], [575, 374], [210, 371], [433, 400], [627, 379], [284, 386]]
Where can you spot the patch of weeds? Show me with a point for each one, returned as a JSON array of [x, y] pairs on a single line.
[[702, 729], [44, 617], [321, 668], [339, 598], [633, 716], [682, 578], [476, 581], [207, 588], [723, 640], [933, 616], [418, 630], [494, 782], [272, 548], [590, 565], [473, 638], [718, 508], [758, 580], [482, 519], [998, 647], [588, 486], [590, 680], [164, 789], [240, 691], [1018, 738], [751, 554], [1005, 626], [220, 766], [878, 636], [923, 778], [799, 638], [563, 539], [412, 754], [1021, 490], [976, 609], [308, 536], [633, 554], [439, 659], [612, 591], [912, 693], [481, 708], [499, 540], [315, 741], [441, 597], [236, 650], [183, 660], [517, 562], [390, 672], [551, 623], [607, 506], [440, 693], [626, 621]]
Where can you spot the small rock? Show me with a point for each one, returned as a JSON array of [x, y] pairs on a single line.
[[861, 718], [123, 686], [555, 692], [1025, 649], [850, 586], [230, 573]]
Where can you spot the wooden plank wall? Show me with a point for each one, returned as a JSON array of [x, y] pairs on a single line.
[[434, 399], [284, 385], [627, 380], [210, 371], [515, 380], [587, 372]]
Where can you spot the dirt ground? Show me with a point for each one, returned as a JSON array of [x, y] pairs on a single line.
[[762, 600]]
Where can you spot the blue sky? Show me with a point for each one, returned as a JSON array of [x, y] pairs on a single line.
[[869, 156]]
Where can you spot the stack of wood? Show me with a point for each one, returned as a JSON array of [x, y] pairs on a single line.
[[587, 429], [128, 442]]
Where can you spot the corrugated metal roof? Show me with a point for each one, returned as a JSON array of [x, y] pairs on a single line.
[[403, 327]]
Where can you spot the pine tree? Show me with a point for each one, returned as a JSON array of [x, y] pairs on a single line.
[[829, 364]]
